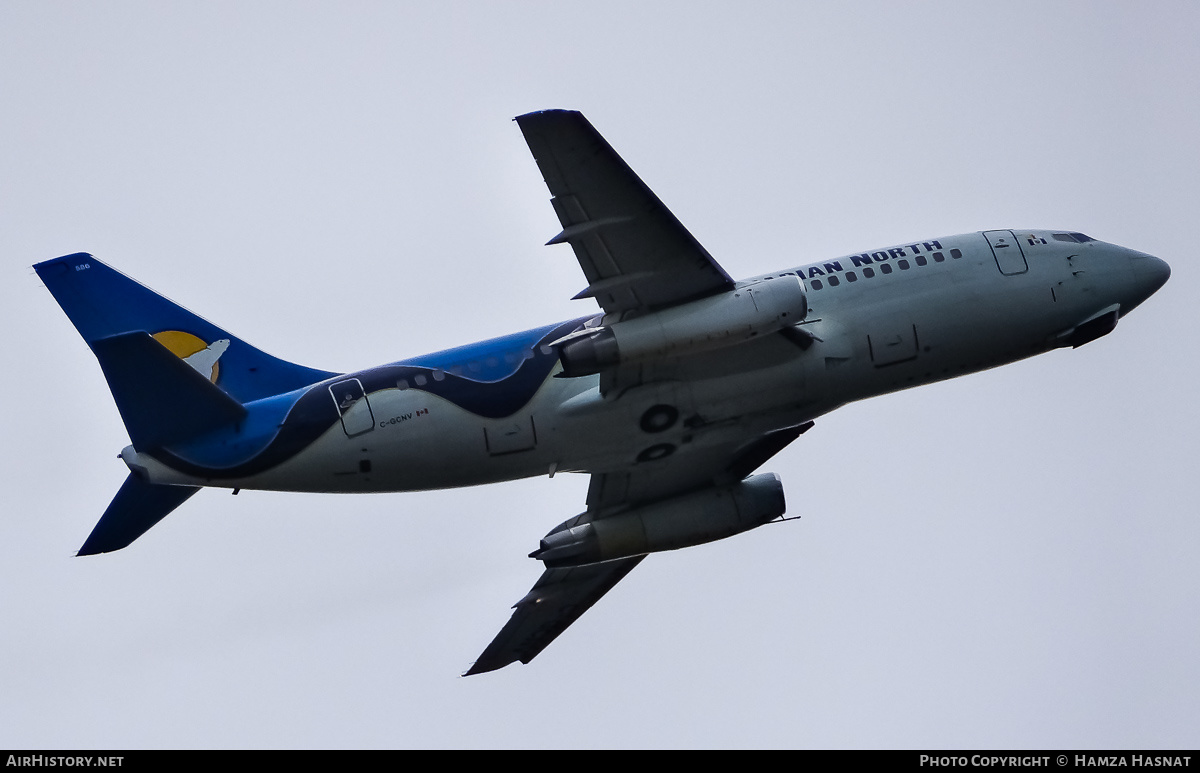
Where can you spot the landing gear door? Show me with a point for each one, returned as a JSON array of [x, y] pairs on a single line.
[[1007, 251], [353, 406], [892, 341]]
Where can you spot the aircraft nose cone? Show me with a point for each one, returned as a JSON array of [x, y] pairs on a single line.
[[1149, 274], [1154, 272]]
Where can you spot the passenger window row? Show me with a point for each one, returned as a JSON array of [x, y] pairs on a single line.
[[884, 268]]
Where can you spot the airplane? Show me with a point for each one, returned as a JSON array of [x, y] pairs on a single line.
[[670, 398]]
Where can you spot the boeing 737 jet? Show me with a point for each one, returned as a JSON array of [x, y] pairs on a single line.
[[671, 397]]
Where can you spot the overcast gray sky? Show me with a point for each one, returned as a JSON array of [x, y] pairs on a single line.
[[1004, 560]]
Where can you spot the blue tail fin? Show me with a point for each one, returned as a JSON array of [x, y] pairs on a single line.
[[103, 303], [173, 376]]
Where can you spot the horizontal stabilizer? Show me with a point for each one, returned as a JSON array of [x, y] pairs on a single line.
[[162, 399], [136, 507]]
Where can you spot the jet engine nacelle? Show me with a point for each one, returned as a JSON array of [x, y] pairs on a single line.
[[709, 323], [691, 519]]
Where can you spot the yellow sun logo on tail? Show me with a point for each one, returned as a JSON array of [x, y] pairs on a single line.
[[194, 351]]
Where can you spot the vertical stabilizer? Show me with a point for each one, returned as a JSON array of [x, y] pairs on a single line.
[[103, 303], [173, 376]]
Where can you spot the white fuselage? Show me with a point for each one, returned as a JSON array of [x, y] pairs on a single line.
[[876, 322]]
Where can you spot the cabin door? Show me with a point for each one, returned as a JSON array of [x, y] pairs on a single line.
[[353, 406]]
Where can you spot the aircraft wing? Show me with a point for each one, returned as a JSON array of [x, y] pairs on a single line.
[[561, 596], [635, 254], [557, 599]]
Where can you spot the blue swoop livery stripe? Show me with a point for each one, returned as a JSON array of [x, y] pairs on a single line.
[[279, 427]]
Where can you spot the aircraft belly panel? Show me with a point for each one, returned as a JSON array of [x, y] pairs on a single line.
[[510, 435], [892, 342]]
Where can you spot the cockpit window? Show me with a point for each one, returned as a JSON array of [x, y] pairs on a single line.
[[1074, 236]]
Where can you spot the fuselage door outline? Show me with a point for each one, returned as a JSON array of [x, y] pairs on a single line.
[[353, 406], [1010, 258]]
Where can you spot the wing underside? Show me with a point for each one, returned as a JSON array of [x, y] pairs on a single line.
[[558, 598]]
